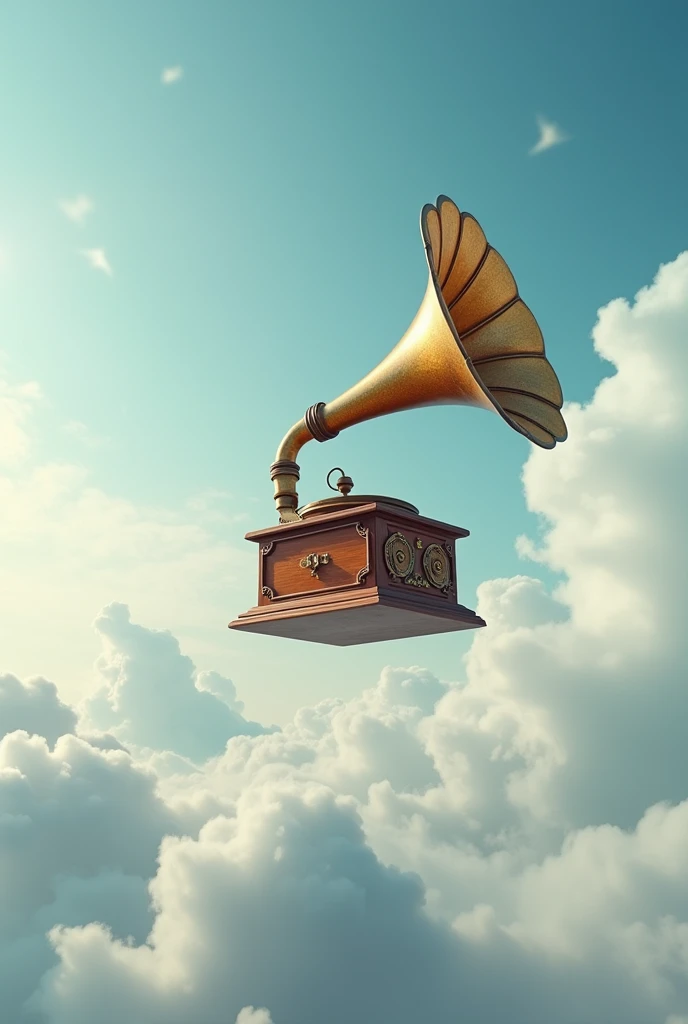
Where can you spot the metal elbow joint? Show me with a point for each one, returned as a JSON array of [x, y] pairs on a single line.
[[284, 472]]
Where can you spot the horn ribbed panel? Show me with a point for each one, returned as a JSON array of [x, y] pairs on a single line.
[[497, 331], [532, 409], [450, 219], [472, 246], [535, 432], [508, 333], [532, 375], [493, 287]]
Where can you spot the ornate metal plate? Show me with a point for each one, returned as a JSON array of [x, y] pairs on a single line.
[[437, 566], [399, 556]]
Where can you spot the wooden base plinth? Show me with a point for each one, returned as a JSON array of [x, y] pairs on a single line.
[[360, 575], [368, 619]]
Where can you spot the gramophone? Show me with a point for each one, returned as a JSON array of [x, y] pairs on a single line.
[[356, 569]]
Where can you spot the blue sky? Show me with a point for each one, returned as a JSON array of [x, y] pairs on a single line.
[[260, 216], [209, 221]]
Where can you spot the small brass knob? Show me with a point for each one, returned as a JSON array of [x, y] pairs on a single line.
[[344, 483]]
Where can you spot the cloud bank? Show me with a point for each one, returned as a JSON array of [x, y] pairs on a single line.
[[67, 547], [512, 846], [153, 698]]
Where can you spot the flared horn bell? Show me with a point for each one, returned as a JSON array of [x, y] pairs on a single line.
[[473, 341], [495, 332]]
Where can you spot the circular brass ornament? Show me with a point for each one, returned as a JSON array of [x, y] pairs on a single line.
[[399, 556], [436, 565]]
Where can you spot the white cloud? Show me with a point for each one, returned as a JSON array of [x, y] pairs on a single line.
[[249, 1015], [77, 209], [199, 712], [388, 857], [16, 405], [79, 430], [79, 832], [98, 260], [68, 548], [293, 906], [219, 507], [171, 75], [34, 707], [550, 135]]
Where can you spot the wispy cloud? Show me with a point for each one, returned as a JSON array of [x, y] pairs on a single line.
[[83, 433], [77, 209], [550, 135], [53, 504], [98, 260], [16, 405], [172, 75]]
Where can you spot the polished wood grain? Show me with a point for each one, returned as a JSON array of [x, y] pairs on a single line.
[[348, 565]]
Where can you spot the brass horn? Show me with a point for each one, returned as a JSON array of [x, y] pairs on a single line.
[[473, 341]]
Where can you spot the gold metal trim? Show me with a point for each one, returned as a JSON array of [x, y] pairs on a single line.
[[416, 580], [396, 547], [313, 562], [437, 566]]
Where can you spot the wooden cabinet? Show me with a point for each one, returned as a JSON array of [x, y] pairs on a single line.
[[371, 572], [331, 557]]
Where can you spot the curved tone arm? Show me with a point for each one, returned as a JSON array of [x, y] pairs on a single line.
[[284, 471]]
